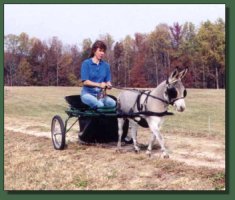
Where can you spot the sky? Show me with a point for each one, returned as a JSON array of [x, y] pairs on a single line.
[[72, 23]]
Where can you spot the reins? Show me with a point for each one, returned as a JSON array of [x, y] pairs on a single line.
[[140, 107], [149, 95], [143, 92]]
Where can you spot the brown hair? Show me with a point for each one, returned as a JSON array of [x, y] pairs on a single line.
[[98, 44]]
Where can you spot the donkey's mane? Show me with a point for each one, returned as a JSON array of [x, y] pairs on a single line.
[[159, 90]]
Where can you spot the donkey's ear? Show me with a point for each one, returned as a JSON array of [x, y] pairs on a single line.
[[174, 76], [183, 73]]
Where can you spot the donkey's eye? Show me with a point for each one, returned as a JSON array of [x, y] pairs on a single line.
[[185, 93]]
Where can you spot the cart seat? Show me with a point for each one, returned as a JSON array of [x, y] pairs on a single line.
[[75, 102]]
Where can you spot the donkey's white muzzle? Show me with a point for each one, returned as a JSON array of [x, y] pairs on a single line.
[[180, 105]]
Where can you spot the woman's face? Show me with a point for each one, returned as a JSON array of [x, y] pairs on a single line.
[[99, 53]]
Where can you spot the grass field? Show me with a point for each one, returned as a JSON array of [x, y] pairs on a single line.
[[195, 139]]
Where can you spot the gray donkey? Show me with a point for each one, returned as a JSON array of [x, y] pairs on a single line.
[[155, 102]]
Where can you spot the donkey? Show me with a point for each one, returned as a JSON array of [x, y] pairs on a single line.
[[168, 92]]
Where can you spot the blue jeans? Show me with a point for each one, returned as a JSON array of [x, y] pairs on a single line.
[[93, 102]]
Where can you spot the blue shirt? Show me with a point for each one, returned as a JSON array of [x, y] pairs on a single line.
[[96, 73]]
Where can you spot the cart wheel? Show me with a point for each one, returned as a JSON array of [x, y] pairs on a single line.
[[58, 133]]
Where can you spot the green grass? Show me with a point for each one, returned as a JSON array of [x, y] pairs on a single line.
[[204, 115], [81, 182]]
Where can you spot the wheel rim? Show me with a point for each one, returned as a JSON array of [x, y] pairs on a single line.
[[57, 133]]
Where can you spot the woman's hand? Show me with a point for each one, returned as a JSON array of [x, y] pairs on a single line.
[[109, 85], [102, 85]]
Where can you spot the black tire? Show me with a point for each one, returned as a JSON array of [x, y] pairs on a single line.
[[58, 133]]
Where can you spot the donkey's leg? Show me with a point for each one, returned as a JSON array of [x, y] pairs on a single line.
[[120, 132], [134, 127], [160, 139], [154, 125], [150, 146], [162, 144]]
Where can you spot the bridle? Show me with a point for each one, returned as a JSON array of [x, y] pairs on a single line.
[[172, 93]]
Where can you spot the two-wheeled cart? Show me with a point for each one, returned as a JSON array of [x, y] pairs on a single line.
[[96, 125]]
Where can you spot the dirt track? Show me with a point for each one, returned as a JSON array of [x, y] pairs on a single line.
[[207, 151], [192, 159]]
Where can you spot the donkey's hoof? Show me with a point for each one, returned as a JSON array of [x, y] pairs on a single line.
[[118, 150], [137, 150], [149, 153], [165, 155]]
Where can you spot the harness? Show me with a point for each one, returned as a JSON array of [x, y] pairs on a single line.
[[142, 107]]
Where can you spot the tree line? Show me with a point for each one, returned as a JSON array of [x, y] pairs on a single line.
[[142, 61]]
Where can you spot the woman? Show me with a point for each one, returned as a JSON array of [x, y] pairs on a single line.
[[95, 75]]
